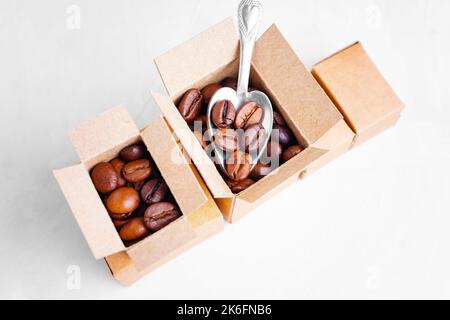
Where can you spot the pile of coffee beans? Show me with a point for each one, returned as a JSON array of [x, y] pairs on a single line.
[[240, 135], [138, 200]]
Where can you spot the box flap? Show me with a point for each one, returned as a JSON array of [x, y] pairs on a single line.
[[161, 244], [207, 213], [173, 167], [89, 211], [103, 133], [181, 67], [305, 104], [285, 172], [357, 88], [205, 166]]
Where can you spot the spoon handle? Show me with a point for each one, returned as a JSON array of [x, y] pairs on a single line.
[[249, 17]]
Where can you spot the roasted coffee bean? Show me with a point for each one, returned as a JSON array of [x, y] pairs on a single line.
[[239, 186], [260, 171], [120, 223], [191, 105], [120, 217], [160, 214], [133, 153], [238, 166], [254, 138], [291, 152], [230, 83], [226, 139], [274, 150], [138, 185], [118, 166], [136, 171], [104, 177], [201, 138], [209, 91], [223, 114], [278, 119], [123, 201], [134, 230], [249, 114], [283, 134], [154, 191]]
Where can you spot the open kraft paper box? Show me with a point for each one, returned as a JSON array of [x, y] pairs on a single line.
[[101, 139], [213, 56]]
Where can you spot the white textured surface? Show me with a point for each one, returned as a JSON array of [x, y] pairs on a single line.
[[374, 224]]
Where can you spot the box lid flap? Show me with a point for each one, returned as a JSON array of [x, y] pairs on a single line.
[[205, 166], [357, 88], [174, 167], [294, 167], [163, 244], [103, 133], [182, 66], [89, 211], [305, 104]]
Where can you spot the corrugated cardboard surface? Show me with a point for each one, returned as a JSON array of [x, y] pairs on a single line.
[[196, 58], [125, 271], [337, 141], [385, 123], [359, 91], [96, 140], [269, 186], [102, 133], [287, 170], [206, 221], [161, 244], [173, 167], [340, 134], [305, 105], [180, 175], [190, 143], [89, 211]]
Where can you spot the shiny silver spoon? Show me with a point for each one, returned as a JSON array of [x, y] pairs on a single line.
[[249, 17]]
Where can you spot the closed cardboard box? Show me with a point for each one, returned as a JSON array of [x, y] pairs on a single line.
[[363, 96]]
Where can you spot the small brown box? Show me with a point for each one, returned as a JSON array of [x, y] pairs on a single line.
[[360, 92], [214, 55], [101, 139]]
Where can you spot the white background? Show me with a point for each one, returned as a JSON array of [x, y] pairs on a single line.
[[373, 224]]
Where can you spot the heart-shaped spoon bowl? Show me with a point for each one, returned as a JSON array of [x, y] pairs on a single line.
[[249, 17], [238, 101]]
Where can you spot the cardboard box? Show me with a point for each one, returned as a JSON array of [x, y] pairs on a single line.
[[366, 105], [357, 88], [214, 55], [101, 139]]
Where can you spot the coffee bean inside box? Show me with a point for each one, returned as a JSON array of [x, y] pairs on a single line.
[[306, 118], [137, 198], [240, 135]]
